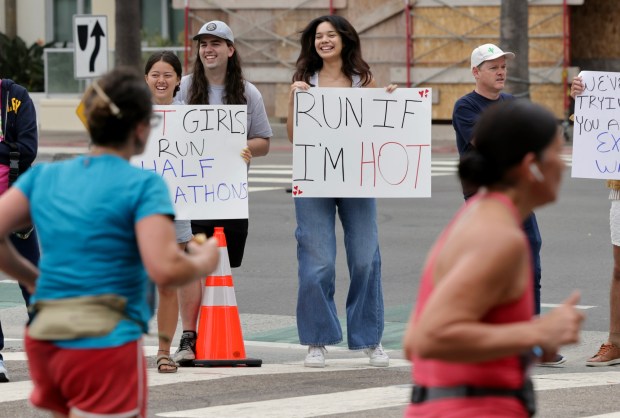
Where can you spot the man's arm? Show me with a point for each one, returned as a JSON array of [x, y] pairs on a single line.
[[259, 147], [21, 127], [464, 118]]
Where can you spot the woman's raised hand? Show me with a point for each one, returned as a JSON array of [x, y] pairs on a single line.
[[391, 87], [246, 154], [576, 87]]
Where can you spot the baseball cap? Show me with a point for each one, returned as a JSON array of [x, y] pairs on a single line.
[[488, 52], [216, 28]]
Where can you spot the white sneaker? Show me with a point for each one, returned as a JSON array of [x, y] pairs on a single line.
[[316, 356], [377, 356], [4, 375]]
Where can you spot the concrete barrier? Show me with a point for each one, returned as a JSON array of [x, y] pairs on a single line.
[[58, 115]]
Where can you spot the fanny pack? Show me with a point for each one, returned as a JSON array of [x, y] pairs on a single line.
[[525, 393], [79, 317]]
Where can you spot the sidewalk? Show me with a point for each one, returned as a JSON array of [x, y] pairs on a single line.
[[55, 144]]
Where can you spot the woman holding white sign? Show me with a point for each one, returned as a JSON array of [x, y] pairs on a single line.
[[331, 57], [163, 72]]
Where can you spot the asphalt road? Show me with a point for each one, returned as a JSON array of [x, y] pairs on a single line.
[[576, 254]]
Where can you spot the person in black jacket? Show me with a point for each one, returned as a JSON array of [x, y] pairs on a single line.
[[18, 149]]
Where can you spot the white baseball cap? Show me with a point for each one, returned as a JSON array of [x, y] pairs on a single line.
[[216, 28], [488, 52]]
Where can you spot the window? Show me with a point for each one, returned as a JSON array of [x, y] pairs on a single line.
[[61, 23]]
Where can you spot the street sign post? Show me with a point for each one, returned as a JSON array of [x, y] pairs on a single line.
[[90, 46]]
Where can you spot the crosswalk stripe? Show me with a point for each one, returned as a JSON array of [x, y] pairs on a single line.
[[271, 166], [283, 172], [151, 350], [368, 399], [274, 174], [555, 305], [269, 180], [263, 189], [17, 391], [306, 406], [575, 380], [451, 163]]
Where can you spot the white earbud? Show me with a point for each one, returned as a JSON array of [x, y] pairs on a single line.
[[536, 172]]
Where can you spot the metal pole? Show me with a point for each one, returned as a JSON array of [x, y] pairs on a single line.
[[165, 18], [408, 43], [566, 58], [186, 54]]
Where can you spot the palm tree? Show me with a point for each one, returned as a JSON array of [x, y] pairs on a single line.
[[128, 41], [514, 37], [10, 13]]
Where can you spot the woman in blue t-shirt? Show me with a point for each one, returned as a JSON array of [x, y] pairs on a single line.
[[105, 229]]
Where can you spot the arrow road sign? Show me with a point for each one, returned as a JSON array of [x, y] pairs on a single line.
[[90, 45]]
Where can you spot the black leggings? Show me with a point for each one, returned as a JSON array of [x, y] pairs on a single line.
[[236, 231]]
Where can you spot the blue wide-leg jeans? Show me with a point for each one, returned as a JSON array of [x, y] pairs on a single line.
[[317, 318]]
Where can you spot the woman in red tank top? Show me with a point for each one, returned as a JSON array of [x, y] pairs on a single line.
[[472, 333]]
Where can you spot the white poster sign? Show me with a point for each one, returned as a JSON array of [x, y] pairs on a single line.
[[196, 149], [362, 142], [596, 130]]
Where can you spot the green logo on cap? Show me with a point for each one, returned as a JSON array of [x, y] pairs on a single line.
[[491, 50]]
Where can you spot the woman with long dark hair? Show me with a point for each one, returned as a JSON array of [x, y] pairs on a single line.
[[331, 56]]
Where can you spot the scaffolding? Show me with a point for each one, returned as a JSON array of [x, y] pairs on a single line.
[[437, 37]]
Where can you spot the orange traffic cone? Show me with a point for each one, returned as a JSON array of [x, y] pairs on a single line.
[[220, 340]]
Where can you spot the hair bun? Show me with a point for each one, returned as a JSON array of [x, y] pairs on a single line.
[[476, 170]]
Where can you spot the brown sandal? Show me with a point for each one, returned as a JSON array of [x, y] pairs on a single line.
[[165, 364]]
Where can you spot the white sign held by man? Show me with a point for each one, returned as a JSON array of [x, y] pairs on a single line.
[[362, 143], [196, 149], [596, 129]]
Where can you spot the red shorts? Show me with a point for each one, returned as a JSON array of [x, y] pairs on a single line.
[[102, 381]]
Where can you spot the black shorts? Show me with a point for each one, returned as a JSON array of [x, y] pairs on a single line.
[[236, 231]]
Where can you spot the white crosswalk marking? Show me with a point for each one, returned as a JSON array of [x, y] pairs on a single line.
[[307, 406], [277, 176], [343, 402], [371, 399]]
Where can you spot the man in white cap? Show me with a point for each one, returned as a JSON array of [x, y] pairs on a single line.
[[217, 79], [489, 68]]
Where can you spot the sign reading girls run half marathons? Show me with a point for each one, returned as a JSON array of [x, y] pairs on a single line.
[[197, 150], [596, 129], [362, 142]]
